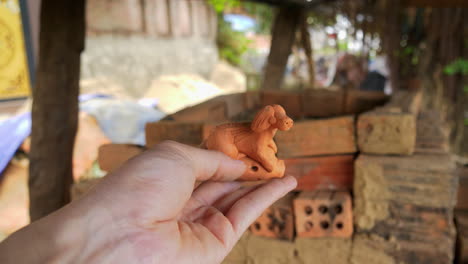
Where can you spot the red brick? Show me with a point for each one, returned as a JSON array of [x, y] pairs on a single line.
[[322, 173], [317, 137], [277, 221], [112, 156], [323, 214]]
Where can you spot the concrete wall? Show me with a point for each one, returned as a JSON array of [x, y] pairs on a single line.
[[132, 42], [134, 62]]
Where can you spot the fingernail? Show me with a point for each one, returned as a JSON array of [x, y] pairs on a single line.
[[239, 164], [290, 180]]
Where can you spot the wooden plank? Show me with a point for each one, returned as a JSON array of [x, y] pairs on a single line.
[[283, 34], [112, 156], [322, 173], [386, 133], [55, 105], [182, 132], [317, 137]]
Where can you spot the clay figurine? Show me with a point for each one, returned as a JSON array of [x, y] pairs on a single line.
[[253, 142]]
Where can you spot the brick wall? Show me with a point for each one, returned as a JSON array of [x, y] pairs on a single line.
[[156, 18]]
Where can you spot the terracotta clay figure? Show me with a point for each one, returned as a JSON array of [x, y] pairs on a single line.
[[253, 142]]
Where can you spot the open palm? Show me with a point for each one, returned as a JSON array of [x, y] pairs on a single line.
[[148, 211]]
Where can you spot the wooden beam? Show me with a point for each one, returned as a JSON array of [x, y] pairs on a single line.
[[435, 3], [55, 105], [283, 34]]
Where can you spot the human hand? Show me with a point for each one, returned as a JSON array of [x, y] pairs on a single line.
[[149, 212]]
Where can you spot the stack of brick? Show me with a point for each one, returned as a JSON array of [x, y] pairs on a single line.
[[391, 204], [404, 188], [316, 219]]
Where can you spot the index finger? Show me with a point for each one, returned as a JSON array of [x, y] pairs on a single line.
[[167, 174], [205, 164]]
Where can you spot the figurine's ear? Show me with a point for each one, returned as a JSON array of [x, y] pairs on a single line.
[[279, 110], [272, 120], [261, 120]]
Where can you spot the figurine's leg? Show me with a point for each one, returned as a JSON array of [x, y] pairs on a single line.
[[230, 150], [267, 158], [273, 146], [240, 155]]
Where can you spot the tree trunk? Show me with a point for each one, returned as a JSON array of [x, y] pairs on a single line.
[[307, 45], [55, 105], [283, 34]]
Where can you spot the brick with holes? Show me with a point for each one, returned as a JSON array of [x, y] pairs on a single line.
[[277, 221], [323, 214]]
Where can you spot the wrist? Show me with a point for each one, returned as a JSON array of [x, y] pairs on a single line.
[[57, 238]]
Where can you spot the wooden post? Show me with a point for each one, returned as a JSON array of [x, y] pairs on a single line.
[[283, 33], [55, 105], [307, 45]]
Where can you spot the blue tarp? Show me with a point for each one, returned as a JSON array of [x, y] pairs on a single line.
[[13, 132], [122, 121]]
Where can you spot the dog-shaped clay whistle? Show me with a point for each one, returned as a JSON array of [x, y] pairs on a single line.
[[253, 142]]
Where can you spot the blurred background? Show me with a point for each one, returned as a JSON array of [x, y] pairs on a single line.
[[144, 60]]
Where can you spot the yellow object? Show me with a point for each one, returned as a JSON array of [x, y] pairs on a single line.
[[14, 73]]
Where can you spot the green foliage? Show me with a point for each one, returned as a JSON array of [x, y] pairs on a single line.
[[231, 44], [321, 17], [343, 45], [465, 88], [458, 66], [220, 5], [263, 14]]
